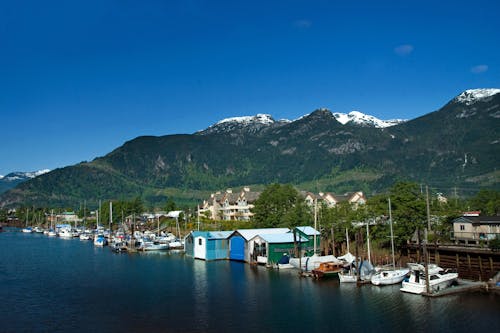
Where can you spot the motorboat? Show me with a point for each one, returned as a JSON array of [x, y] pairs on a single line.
[[65, 233], [27, 230], [389, 276], [150, 245], [85, 236], [438, 279], [327, 269], [100, 240]]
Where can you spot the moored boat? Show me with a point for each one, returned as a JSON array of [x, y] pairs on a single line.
[[327, 269], [438, 279], [389, 276]]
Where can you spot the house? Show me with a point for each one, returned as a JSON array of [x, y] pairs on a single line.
[[353, 198], [239, 247], [230, 206], [309, 233], [237, 206], [471, 228], [269, 248], [207, 245]]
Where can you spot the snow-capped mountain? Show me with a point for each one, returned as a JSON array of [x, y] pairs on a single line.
[[472, 96], [249, 124], [253, 124], [23, 175], [361, 119], [12, 179]]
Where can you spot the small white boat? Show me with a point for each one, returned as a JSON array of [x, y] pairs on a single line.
[[85, 236], [65, 233], [27, 230], [439, 279], [100, 240], [350, 275], [389, 276], [38, 230], [52, 233], [176, 245], [150, 245]]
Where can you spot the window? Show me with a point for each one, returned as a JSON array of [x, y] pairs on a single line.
[[200, 241], [462, 227]]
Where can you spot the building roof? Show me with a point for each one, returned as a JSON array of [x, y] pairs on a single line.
[[309, 231], [251, 233], [281, 238], [478, 219], [212, 234]]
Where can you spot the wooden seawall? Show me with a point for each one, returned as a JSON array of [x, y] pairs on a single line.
[[471, 263]]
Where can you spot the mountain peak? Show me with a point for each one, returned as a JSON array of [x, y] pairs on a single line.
[[361, 119], [472, 96], [247, 124], [260, 118]]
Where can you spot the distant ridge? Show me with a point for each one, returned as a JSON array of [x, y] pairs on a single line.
[[455, 147]]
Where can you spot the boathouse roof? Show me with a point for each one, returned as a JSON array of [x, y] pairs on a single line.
[[251, 233], [309, 231], [281, 238]]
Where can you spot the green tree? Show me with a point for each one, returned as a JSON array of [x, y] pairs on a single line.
[[170, 205], [273, 205], [409, 211], [486, 201]]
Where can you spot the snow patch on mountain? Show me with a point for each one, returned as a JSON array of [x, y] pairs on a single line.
[[472, 96], [359, 118], [23, 175], [264, 119]]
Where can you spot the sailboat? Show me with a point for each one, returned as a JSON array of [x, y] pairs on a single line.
[[365, 267], [27, 229], [390, 276]]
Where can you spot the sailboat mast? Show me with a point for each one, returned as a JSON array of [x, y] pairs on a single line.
[[392, 235], [110, 214], [315, 222], [347, 239], [368, 241]]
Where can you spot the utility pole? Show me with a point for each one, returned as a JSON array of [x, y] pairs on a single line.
[[428, 208]]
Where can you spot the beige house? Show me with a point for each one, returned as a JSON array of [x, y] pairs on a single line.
[[230, 206], [331, 200], [471, 228], [237, 206]]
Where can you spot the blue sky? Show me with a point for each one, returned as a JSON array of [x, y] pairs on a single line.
[[79, 78]]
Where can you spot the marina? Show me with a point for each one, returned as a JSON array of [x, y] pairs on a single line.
[[56, 284]]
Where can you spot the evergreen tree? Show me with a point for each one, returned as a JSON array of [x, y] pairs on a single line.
[[273, 205]]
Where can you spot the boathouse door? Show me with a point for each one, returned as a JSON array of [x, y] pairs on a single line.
[[237, 248], [200, 250]]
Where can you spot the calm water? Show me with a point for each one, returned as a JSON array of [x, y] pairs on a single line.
[[52, 284]]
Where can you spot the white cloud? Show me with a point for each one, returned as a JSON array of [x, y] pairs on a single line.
[[303, 24], [479, 69], [403, 50]]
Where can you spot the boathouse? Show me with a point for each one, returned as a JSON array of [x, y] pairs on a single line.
[[269, 248], [239, 247], [207, 245], [309, 233]]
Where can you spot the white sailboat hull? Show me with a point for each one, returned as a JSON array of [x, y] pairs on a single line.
[[388, 277]]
